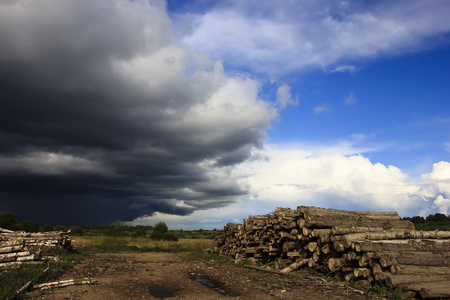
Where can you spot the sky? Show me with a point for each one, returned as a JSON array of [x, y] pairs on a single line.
[[199, 113]]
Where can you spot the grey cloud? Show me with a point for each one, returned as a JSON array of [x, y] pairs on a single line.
[[104, 117]]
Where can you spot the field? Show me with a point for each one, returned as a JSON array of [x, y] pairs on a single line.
[[125, 268], [118, 244]]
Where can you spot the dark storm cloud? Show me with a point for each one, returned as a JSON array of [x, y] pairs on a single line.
[[103, 117]]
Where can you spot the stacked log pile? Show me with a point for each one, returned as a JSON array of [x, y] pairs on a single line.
[[365, 247], [17, 247]]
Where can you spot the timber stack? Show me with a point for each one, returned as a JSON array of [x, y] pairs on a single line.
[[17, 247], [364, 247]]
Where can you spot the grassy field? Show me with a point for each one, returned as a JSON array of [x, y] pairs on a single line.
[[101, 244]]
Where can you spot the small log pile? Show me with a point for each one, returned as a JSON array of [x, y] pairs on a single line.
[[17, 247], [64, 283], [365, 247]]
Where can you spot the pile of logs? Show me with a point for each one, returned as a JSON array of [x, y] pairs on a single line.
[[17, 247], [365, 247]]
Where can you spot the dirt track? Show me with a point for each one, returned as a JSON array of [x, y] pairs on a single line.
[[128, 276]]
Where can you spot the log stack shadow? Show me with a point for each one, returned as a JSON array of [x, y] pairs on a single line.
[[365, 247], [18, 247]]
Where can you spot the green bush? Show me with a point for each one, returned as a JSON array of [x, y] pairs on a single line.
[[28, 226], [8, 221], [159, 231], [169, 237]]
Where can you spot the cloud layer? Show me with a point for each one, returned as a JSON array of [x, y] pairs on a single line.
[[105, 117], [334, 176], [289, 36]]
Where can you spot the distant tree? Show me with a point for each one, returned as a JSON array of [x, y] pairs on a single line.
[[158, 231], [437, 218], [77, 231], [28, 226], [418, 220], [60, 228], [47, 227], [117, 229], [168, 236], [437, 221], [8, 221], [141, 230]]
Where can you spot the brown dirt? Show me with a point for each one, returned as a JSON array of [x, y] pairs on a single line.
[[128, 276]]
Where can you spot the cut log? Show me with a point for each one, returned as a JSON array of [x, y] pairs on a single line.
[[396, 280], [381, 277], [432, 260], [349, 256], [441, 292], [306, 231], [5, 242], [10, 249], [340, 230], [294, 254], [396, 235], [288, 246], [415, 260], [301, 223], [349, 276], [316, 257], [339, 246], [413, 270], [295, 265], [361, 272], [376, 268], [27, 258], [312, 246], [14, 264], [63, 283], [318, 211], [329, 222], [12, 256], [335, 263], [288, 236], [402, 245], [320, 232], [325, 249]]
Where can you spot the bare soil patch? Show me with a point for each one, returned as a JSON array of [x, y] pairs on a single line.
[[129, 276]]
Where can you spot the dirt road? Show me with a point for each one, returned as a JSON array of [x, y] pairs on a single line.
[[129, 276]]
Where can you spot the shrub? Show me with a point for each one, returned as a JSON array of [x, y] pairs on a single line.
[[170, 237], [8, 221]]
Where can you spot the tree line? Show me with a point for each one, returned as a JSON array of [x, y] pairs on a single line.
[[432, 222], [159, 231]]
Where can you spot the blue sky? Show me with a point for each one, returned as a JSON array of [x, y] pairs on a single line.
[[199, 113], [400, 105]]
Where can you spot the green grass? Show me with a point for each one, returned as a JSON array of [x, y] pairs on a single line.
[[381, 289], [272, 281], [13, 279], [391, 293], [108, 244]]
